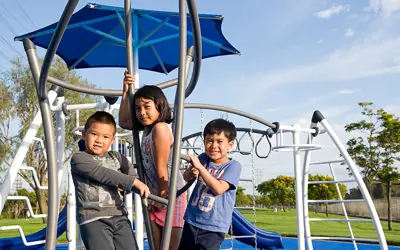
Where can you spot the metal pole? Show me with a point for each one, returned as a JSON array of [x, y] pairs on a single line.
[[71, 213], [178, 125], [195, 22], [60, 143], [298, 189], [306, 167], [52, 215], [52, 48], [132, 62]]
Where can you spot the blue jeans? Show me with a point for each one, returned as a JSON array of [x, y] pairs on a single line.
[[194, 238]]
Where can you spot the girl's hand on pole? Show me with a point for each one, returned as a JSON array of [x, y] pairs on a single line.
[[128, 80]]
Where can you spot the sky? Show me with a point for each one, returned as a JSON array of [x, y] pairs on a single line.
[[296, 57]]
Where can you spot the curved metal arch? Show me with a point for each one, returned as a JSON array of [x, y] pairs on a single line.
[[274, 126]]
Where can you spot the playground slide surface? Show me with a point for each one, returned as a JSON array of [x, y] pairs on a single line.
[[265, 239], [17, 243]]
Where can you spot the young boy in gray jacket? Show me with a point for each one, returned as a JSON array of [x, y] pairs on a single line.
[[99, 175]]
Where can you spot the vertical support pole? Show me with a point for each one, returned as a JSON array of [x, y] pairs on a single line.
[[71, 213], [178, 111], [298, 188], [139, 221], [115, 144], [132, 62], [306, 167], [52, 216], [60, 144]]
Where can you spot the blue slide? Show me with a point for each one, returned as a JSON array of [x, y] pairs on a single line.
[[17, 243], [265, 240]]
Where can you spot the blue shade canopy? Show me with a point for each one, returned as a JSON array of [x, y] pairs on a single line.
[[95, 37]]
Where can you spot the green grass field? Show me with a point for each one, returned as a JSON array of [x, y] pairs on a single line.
[[285, 224], [281, 222]]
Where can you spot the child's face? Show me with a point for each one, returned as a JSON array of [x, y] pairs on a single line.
[[217, 147], [98, 138], [146, 111]]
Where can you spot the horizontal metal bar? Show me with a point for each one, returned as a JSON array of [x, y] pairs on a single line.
[[337, 219], [335, 201], [243, 236], [344, 239], [301, 147], [188, 147], [167, 84], [331, 182], [16, 198], [246, 208], [241, 152], [290, 129], [246, 179], [327, 162], [19, 228]]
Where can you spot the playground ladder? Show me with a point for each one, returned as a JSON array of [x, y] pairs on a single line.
[[356, 178], [301, 183]]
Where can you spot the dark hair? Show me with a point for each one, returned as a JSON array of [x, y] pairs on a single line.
[[218, 126], [153, 93], [102, 117]]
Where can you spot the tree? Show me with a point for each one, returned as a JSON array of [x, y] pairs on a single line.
[[324, 191], [354, 193], [280, 190], [241, 197], [7, 114], [377, 149], [20, 107]]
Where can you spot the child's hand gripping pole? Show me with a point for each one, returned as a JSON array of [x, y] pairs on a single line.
[[190, 183], [152, 197], [179, 192]]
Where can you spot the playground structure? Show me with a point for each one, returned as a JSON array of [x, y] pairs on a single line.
[[287, 139]]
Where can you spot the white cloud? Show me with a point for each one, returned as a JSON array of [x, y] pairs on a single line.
[[386, 6], [335, 9], [320, 41], [371, 58], [349, 33]]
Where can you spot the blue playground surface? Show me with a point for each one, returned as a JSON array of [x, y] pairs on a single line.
[[290, 244]]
